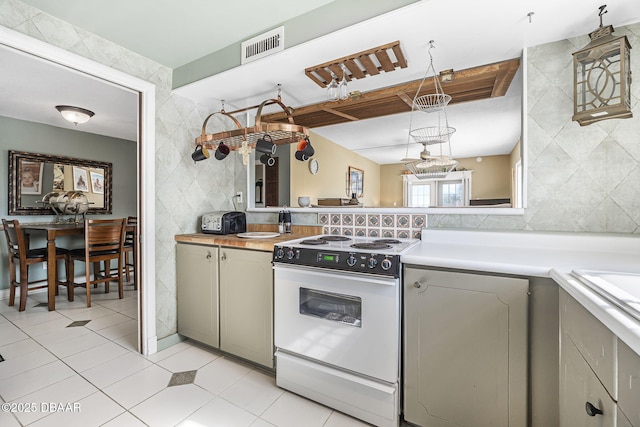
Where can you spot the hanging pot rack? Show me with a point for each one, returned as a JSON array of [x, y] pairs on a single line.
[[281, 133]]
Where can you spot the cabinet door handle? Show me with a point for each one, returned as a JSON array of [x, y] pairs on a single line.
[[417, 285], [592, 411], [223, 257], [208, 255]]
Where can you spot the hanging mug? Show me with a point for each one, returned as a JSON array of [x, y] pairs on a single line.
[[266, 145], [266, 159], [222, 151], [301, 156], [305, 146], [200, 153]]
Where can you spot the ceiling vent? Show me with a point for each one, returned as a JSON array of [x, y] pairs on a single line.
[[263, 45]]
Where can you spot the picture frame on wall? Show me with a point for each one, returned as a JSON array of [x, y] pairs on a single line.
[[80, 182], [356, 181], [97, 182], [30, 177], [58, 177]]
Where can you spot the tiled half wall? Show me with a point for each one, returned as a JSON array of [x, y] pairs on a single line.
[[373, 225]]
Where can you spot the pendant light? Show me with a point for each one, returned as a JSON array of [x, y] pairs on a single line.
[[602, 77]]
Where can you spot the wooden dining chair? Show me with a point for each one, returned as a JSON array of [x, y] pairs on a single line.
[[20, 256], [103, 242], [130, 250]]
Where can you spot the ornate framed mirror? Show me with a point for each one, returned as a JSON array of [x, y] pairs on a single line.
[[33, 175]]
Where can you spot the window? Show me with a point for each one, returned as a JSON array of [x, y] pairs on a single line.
[[421, 195], [452, 191]]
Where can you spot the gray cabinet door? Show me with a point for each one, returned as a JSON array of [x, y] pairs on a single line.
[[197, 291], [579, 385], [246, 304], [628, 383], [465, 349]]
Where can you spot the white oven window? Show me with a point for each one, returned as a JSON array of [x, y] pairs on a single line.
[[339, 308]]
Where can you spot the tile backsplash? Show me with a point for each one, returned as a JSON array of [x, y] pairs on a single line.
[[373, 225]]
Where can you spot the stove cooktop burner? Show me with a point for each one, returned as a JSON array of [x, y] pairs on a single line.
[[388, 241], [335, 238], [370, 245], [314, 242]]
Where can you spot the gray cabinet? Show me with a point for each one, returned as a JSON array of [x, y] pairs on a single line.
[[629, 385], [579, 387], [595, 367], [246, 304], [197, 292], [225, 299], [465, 355]]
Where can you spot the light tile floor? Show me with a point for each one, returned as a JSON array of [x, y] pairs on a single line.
[[55, 374]]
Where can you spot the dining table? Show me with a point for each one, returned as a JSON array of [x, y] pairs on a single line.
[[53, 231]]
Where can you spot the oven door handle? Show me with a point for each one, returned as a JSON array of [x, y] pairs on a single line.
[[388, 281]]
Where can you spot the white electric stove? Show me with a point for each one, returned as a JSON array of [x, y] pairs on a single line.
[[337, 322]]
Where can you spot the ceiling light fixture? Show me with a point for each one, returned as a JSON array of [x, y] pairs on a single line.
[[602, 77], [75, 115]]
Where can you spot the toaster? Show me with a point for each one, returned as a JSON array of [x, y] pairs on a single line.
[[222, 222]]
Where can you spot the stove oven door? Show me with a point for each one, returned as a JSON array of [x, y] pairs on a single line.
[[350, 321]]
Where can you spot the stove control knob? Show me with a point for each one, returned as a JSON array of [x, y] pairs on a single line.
[[372, 262], [280, 253], [290, 254], [351, 260], [386, 264]]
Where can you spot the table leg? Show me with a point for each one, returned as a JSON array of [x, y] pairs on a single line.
[[51, 269]]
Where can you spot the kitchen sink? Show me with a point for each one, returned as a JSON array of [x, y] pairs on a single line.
[[622, 289]]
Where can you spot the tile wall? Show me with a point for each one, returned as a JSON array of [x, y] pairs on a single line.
[[373, 225], [582, 179]]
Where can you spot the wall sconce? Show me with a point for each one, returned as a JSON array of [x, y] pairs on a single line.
[[75, 115], [602, 77]]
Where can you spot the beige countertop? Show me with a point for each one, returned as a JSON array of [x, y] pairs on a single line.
[[261, 244]]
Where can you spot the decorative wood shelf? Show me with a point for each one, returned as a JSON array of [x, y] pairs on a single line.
[[370, 62], [472, 84]]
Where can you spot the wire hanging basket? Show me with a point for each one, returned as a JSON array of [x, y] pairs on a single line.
[[428, 166], [433, 167], [431, 135], [432, 102]]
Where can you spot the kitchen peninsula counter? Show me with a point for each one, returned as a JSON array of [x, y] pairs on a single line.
[[545, 255]]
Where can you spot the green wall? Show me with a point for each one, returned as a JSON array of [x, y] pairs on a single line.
[[32, 137]]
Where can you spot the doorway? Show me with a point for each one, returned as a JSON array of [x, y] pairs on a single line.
[[271, 184], [146, 167]]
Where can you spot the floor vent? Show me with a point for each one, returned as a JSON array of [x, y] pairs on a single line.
[[263, 45]]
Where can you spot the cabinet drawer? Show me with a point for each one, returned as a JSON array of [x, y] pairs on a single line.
[[629, 383], [594, 341], [579, 385]]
